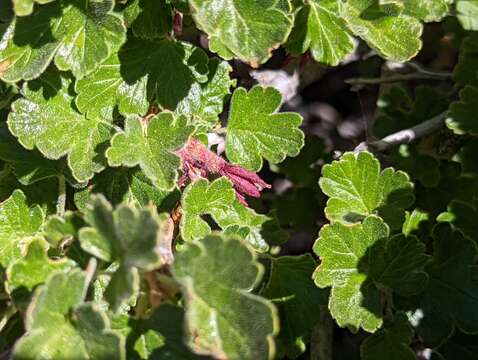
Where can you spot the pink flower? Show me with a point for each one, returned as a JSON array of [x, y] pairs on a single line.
[[199, 161]]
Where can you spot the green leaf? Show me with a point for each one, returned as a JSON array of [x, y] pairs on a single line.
[[142, 71], [392, 339], [466, 157], [398, 110], [467, 14], [39, 193], [291, 288], [29, 166], [59, 228], [220, 310], [105, 88], [127, 235], [100, 285], [25, 7], [462, 215], [413, 221], [453, 280], [399, 265], [205, 101], [357, 188], [427, 10], [319, 27], [218, 199], [161, 336], [126, 185], [45, 119], [149, 18], [152, 147], [255, 130], [353, 301], [77, 34], [200, 198], [393, 35], [462, 116], [35, 266], [20, 222], [257, 230], [249, 30], [60, 326], [466, 69]]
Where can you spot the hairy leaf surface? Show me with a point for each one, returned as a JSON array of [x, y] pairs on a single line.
[[220, 310], [257, 131]]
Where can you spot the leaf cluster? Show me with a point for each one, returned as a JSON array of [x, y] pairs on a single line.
[[126, 233]]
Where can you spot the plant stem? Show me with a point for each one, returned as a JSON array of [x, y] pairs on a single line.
[[398, 77], [322, 337], [422, 70], [405, 136], [61, 200]]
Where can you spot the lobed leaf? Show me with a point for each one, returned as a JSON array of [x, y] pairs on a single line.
[[25, 7], [466, 69], [291, 288], [104, 89], [393, 34], [35, 266], [453, 280], [127, 235], [78, 35], [248, 30], [45, 119], [353, 301], [427, 10], [59, 228], [357, 188], [30, 166], [220, 310], [461, 118], [152, 146], [218, 199], [358, 261], [125, 185], [20, 223], [319, 28], [399, 265], [393, 339], [255, 130], [467, 14], [60, 326], [200, 198], [141, 72], [149, 19], [205, 101]]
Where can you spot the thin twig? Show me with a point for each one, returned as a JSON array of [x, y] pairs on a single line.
[[322, 337], [422, 70], [398, 78], [61, 200], [405, 136]]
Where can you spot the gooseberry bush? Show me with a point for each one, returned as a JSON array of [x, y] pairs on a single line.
[[160, 179]]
